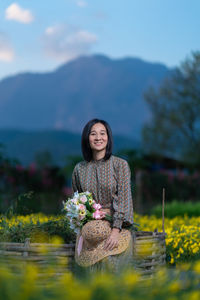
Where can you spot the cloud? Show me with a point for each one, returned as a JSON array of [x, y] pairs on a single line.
[[6, 51], [16, 13], [81, 3], [64, 42]]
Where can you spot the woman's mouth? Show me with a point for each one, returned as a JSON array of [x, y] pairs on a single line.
[[98, 144]]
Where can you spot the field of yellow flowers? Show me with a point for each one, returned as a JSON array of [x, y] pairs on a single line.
[[182, 236], [182, 239], [31, 282], [177, 283]]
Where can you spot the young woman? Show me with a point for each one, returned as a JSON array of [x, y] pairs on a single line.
[[104, 245]]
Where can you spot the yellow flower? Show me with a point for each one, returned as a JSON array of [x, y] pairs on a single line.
[[90, 201], [195, 250], [172, 260], [197, 267], [181, 251], [195, 295], [175, 245], [130, 279], [169, 240], [174, 287], [57, 240], [82, 212]]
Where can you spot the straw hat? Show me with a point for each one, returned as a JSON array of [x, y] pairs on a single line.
[[94, 235]]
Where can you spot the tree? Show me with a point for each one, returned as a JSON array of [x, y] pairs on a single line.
[[135, 158], [43, 159], [174, 129], [71, 161]]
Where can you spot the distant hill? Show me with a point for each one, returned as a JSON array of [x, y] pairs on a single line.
[[24, 145], [88, 87]]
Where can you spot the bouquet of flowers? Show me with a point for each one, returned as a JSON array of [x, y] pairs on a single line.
[[82, 208]]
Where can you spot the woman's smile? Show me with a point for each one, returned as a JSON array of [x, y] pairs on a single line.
[[98, 137], [98, 144]]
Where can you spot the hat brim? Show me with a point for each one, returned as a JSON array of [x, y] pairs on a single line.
[[88, 257]]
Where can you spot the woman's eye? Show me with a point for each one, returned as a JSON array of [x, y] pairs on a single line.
[[93, 134]]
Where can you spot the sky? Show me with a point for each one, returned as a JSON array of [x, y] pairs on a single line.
[[41, 35]]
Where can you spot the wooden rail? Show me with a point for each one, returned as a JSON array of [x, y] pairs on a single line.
[[149, 252]]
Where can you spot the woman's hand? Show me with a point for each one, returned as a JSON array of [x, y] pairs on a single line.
[[112, 241]]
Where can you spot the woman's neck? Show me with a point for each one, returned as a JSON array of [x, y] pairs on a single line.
[[97, 155]]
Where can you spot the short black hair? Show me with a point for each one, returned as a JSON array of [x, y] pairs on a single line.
[[85, 145]]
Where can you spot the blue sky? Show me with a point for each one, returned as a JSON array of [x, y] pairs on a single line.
[[40, 35]]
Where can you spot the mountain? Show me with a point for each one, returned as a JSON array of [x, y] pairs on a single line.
[[24, 145], [85, 88]]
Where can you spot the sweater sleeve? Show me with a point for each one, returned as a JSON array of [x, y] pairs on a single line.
[[75, 180], [122, 203]]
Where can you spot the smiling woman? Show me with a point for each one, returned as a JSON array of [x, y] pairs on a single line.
[[98, 140], [105, 245]]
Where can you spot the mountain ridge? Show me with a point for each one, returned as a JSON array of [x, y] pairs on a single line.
[[85, 88], [24, 145]]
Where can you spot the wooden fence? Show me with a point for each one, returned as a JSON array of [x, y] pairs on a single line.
[[149, 252]]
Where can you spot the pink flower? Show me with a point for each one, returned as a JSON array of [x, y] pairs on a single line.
[[83, 199], [96, 206], [81, 207], [98, 215]]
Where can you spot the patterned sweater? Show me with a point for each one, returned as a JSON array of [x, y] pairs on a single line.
[[110, 184]]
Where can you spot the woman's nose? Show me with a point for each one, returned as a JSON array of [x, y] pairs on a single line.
[[98, 137]]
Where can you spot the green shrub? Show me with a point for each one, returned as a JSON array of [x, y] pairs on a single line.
[[178, 208], [39, 228], [180, 186]]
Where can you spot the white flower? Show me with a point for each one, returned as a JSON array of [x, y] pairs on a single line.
[[75, 200], [76, 195], [83, 199], [77, 207], [77, 210]]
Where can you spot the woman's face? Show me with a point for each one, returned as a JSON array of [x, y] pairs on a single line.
[[98, 137]]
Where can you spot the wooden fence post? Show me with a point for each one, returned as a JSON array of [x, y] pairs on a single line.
[[26, 247]]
